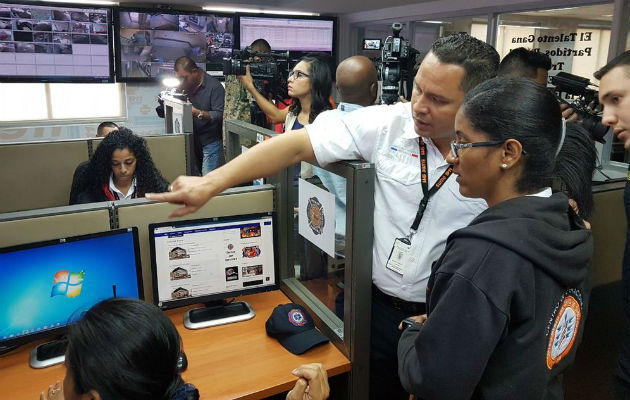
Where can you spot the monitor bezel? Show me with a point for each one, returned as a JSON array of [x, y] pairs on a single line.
[[380, 46], [27, 246], [116, 33], [68, 79], [217, 296], [333, 52]]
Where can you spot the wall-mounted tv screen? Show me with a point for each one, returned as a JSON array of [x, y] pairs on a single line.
[[55, 43], [148, 43], [294, 34]]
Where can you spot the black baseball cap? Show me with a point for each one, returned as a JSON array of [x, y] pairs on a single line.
[[294, 328]]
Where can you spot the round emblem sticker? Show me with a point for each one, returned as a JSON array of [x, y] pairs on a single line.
[[296, 317], [564, 331], [315, 215]]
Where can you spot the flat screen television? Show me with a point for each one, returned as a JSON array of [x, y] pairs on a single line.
[[41, 42], [200, 261], [148, 42], [304, 34], [47, 285]]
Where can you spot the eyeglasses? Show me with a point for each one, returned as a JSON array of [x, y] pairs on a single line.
[[455, 147], [298, 74]]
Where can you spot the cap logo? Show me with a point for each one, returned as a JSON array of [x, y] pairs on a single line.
[[296, 317], [564, 331]]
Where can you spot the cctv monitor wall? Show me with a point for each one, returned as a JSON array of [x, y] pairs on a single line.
[[149, 42], [207, 260], [55, 43], [293, 34], [47, 285]]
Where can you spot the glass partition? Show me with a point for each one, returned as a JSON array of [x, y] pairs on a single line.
[[326, 262]]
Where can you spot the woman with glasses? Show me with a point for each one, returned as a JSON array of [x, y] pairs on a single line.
[[508, 297], [309, 85]]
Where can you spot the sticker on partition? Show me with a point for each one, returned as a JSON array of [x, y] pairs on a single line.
[[315, 215], [260, 137]]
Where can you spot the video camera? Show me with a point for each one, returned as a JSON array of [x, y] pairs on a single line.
[[398, 59], [269, 74], [583, 101]]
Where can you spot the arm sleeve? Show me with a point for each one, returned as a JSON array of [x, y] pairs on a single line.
[[446, 356], [352, 136], [217, 102]]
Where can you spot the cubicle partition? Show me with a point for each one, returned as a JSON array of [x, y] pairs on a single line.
[[38, 175], [141, 213], [53, 223]]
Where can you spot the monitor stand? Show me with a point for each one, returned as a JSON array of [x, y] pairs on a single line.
[[218, 313], [50, 353]]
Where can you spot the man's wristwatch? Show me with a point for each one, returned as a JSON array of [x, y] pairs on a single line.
[[200, 115]]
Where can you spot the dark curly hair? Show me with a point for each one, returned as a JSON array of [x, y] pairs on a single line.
[[321, 84], [98, 171]]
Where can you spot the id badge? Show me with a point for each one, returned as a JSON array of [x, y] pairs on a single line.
[[398, 256]]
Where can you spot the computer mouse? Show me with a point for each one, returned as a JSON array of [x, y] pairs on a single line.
[[182, 362]]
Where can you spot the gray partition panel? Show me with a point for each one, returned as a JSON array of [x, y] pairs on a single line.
[[53, 223], [38, 175], [141, 213], [169, 153]]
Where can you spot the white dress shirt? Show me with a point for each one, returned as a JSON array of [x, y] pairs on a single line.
[[385, 135], [122, 196]]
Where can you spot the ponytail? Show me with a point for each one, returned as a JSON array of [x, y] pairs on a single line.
[[574, 167]]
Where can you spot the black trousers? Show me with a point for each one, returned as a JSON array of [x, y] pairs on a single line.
[[384, 379]]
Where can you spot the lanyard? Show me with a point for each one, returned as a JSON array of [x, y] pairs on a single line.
[[424, 177]]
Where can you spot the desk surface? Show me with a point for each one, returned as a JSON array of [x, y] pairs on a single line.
[[234, 361]]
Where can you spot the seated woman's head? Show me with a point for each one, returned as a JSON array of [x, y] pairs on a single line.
[[124, 156], [310, 79], [511, 138], [123, 349]]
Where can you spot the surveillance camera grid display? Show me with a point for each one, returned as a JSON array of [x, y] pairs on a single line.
[[149, 43], [53, 41]]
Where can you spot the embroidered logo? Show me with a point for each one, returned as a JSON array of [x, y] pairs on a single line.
[[296, 317], [564, 331]]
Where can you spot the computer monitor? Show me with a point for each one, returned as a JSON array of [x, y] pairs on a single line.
[[149, 41], [207, 260], [42, 42], [306, 34], [47, 285]]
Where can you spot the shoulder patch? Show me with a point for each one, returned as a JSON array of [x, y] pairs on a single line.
[[566, 322]]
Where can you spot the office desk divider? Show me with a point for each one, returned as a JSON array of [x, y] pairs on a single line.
[[39, 174], [52, 223], [352, 335]]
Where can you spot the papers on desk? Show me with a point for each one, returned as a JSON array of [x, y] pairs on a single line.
[[316, 216]]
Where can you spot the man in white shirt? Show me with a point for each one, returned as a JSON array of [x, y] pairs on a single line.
[[388, 136]]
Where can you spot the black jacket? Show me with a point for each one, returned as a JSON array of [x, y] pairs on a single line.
[[506, 302]]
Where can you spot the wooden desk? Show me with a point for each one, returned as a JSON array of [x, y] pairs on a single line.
[[234, 361]]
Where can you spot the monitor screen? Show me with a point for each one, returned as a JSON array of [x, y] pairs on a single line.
[[371, 44], [294, 34], [47, 285], [47, 43], [203, 260], [148, 43]]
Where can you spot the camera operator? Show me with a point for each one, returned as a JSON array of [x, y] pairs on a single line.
[[207, 97], [238, 100], [614, 95], [526, 63]]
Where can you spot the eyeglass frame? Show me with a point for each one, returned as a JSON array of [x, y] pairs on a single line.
[[455, 147], [298, 74]]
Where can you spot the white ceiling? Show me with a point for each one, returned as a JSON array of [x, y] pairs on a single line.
[[327, 7]]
